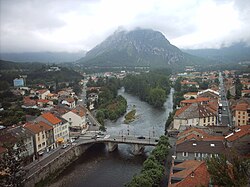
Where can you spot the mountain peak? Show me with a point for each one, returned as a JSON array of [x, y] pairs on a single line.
[[138, 47]]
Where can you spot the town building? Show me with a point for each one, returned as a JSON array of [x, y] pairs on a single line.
[[190, 95], [26, 139], [76, 118], [195, 115], [189, 173], [18, 82], [39, 137], [241, 112], [239, 140], [42, 94], [60, 127], [70, 102]]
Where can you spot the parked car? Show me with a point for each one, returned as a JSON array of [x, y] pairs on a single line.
[[40, 153], [65, 146], [107, 136], [141, 137]]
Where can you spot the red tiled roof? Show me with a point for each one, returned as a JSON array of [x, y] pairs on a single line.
[[198, 100], [179, 111], [42, 91], [80, 111], [240, 132], [194, 174], [51, 118], [42, 101], [191, 93], [241, 106], [245, 91], [38, 127]]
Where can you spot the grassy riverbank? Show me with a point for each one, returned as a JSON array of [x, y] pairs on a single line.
[[129, 117]]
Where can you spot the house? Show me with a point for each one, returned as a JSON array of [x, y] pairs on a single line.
[[39, 136], [93, 97], [245, 93], [52, 96], [190, 84], [18, 82], [211, 94], [76, 118], [190, 95], [42, 94], [60, 126], [241, 112], [70, 102], [240, 139], [246, 85], [195, 115], [200, 100], [29, 103], [189, 173], [26, 138], [198, 148], [44, 103]]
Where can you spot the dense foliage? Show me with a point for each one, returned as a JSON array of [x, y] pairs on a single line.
[[151, 87], [11, 166], [153, 168], [226, 171], [110, 105]]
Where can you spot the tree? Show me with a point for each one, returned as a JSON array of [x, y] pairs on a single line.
[[228, 94], [226, 171], [11, 166], [238, 88], [141, 180], [157, 97]]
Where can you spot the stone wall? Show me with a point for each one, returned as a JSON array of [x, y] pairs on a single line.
[[57, 165]]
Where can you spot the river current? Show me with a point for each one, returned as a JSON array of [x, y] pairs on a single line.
[[99, 168]]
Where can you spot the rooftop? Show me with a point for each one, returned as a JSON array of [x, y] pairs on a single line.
[[238, 133], [51, 118], [190, 173]]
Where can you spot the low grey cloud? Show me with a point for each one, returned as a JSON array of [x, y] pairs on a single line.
[[64, 25]]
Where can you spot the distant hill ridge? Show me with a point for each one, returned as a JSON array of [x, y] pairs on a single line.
[[44, 57]]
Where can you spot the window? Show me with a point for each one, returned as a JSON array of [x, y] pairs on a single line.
[[204, 120], [208, 119], [194, 144], [43, 143], [212, 145], [39, 146], [196, 155], [43, 136], [185, 154]]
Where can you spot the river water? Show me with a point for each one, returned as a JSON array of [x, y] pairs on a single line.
[[99, 168]]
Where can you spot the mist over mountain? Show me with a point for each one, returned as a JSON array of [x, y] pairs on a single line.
[[235, 53], [140, 47], [45, 57]]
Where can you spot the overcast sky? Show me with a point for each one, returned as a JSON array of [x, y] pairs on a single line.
[[74, 25]]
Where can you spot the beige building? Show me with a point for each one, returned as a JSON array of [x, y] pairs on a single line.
[[242, 114], [39, 132], [195, 115], [60, 126]]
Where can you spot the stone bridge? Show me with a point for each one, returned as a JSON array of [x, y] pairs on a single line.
[[137, 143]]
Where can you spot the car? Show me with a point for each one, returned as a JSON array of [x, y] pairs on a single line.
[[100, 133], [141, 137], [94, 124], [65, 146], [40, 153], [156, 140], [94, 137], [107, 136], [224, 109]]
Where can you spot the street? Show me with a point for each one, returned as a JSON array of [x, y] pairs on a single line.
[[224, 111]]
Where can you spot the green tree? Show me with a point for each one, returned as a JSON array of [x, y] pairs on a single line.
[[141, 180], [231, 172], [228, 94], [238, 88], [157, 97]]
